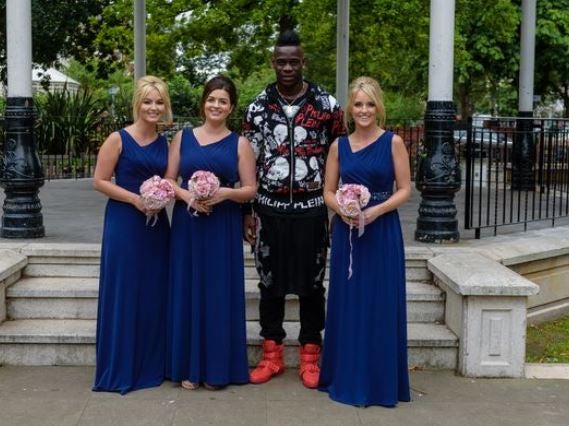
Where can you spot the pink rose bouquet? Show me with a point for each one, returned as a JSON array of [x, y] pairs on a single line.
[[156, 193], [352, 198], [202, 185]]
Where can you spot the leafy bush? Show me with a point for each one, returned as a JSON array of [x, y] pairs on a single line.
[[185, 98], [402, 110], [66, 122]]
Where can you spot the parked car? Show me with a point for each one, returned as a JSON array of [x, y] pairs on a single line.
[[484, 140]]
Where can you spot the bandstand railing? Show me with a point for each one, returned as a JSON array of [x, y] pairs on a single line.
[[515, 171]]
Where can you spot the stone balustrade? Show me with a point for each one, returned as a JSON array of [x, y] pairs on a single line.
[[486, 307]]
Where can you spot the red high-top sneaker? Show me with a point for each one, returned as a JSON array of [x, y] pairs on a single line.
[[271, 365], [309, 370]]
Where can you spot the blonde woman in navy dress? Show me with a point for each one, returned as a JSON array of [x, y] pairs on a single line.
[[364, 360], [131, 331], [206, 329]]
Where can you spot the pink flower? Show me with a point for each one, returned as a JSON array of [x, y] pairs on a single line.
[[156, 193], [202, 185], [352, 198]]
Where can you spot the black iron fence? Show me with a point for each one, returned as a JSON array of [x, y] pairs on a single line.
[[71, 164], [515, 171], [486, 151]]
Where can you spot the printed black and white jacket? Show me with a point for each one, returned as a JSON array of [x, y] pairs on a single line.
[[291, 152]]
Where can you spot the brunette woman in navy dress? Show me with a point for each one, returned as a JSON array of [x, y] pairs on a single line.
[[131, 328], [206, 329], [364, 360]]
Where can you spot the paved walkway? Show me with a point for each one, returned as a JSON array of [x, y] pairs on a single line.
[[73, 212], [61, 396]]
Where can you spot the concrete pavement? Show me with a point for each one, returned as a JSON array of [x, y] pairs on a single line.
[[61, 396]]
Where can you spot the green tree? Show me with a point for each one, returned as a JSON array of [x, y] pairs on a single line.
[[382, 45], [185, 97], [552, 50], [59, 29], [486, 50]]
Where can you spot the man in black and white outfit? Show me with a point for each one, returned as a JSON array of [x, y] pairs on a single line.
[[290, 125]]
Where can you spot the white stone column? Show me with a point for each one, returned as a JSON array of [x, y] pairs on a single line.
[[139, 39], [527, 55], [441, 50], [342, 51], [19, 48]]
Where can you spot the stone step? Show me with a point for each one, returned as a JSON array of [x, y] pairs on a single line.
[[72, 342], [429, 345], [76, 298], [82, 260], [53, 297], [89, 268], [425, 302]]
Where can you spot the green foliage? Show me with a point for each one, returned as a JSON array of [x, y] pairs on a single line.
[[58, 29], [85, 74], [552, 50], [118, 105], [486, 49], [66, 122], [250, 87], [401, 109], [121, 106], [185, 98], [382, 43], [388, 41], [548, 342]]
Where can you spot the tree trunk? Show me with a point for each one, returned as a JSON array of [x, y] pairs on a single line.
[[464, 104]]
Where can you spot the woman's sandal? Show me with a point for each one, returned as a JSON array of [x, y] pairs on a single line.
[[186, 384]]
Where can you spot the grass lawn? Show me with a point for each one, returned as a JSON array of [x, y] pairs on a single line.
[[548, 342]]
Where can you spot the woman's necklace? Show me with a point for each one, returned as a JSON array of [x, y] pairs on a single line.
[[290, 109]]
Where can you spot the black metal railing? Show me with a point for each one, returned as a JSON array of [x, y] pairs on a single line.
[[412, 134], [492, 166], [68, 165]]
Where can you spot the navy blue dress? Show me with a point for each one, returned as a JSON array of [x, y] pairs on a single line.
[[364, 359], [206, 304], [131, 319]]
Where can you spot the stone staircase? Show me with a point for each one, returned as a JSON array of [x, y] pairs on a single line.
[[51, 311]]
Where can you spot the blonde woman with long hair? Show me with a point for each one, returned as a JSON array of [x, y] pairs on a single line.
[[131, 333], [364, 360]]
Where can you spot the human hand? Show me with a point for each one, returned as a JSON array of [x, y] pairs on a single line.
[[139, 204], [220, 195], [349, 220], [249, 228], [372, 213], [197, 205]]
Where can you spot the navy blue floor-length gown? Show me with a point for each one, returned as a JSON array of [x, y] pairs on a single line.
[[206, 328], [131, 318], [364, 359]]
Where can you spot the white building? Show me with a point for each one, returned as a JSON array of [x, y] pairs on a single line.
[[57, 81]]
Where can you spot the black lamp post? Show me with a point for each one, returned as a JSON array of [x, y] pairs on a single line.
[[438, 177], [438, 174], [20, 172]]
